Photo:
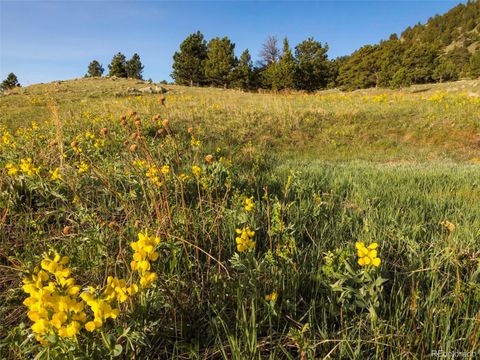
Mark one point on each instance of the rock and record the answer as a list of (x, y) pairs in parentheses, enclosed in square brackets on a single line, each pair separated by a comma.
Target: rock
[(146, 90)]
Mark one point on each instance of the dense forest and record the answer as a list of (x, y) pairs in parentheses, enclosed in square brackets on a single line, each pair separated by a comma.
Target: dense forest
[(446, 48)]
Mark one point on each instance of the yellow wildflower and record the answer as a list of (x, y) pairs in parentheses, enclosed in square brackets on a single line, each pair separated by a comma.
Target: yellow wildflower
[(145, 252), (55, 174), (165, 169), (249, 204), (152, 174), (53, 306), (11, 169), (82, 167), (367, 255), (183, 177), (196, 171), (27, 168), (272, 297), (244, 241)]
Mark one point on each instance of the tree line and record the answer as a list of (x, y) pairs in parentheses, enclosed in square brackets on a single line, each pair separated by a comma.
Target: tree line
[(119, 67), (214, 63), (446, 48)]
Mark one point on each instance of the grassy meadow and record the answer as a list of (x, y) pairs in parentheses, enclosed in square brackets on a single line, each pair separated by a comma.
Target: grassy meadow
[(215, 224)]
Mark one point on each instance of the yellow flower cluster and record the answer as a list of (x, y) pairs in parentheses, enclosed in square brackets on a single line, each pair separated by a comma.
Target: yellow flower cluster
[(82, 167), (195, 142), (52, 303), (145, 252), (153, 173), (140, 163), (7, 139), (196, 171), (367, 255), (12, 169), (55, 174), (103, 305), (27, 168), (249, 204), (183, 177), (272, 297), (244, 241)]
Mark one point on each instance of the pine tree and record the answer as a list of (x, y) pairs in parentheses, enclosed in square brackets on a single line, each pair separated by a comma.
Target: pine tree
[(189, 62), (242, 74), (284, 75), (475, 65), (134, 67), (313, 65), (10, 82), (445, 70), (220, 61), (118, 66), (95, 69), (419, 61)]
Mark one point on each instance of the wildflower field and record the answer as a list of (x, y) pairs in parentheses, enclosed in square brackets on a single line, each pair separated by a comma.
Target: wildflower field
[(212, 224)]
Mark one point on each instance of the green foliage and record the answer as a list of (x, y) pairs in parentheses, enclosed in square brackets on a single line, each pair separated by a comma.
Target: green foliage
[(475, 65), (220, 61), (436, 51), (243, 72), (189, 62), (359, 70), (134, 67), (420, 63), (10, 82), (284, 75), (445, 70), (118, 66), (313, 69), (95, 69)]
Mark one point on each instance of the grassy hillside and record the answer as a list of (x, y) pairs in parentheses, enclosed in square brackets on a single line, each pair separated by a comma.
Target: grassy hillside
[(419, 123), (212, 224)]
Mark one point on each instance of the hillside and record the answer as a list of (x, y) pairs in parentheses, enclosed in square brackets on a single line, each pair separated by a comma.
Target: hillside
[(418, 123), (446, 48)]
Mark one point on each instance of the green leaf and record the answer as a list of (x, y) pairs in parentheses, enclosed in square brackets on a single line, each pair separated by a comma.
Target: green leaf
[(117, 350)]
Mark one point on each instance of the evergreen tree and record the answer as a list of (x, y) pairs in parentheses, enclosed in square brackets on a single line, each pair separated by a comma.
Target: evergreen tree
[(401, 78), (313, 66), (189, 62), (390, 55), (95, 69), (419, 60), (269, 75), (475, 65), (134, 67), (242, 74), (10, 82), (220, 61), (360, 70), (118, 66), (445, 70), (284, 75)]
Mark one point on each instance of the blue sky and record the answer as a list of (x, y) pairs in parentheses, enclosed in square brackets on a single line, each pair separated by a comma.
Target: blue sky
[(42, 41)]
